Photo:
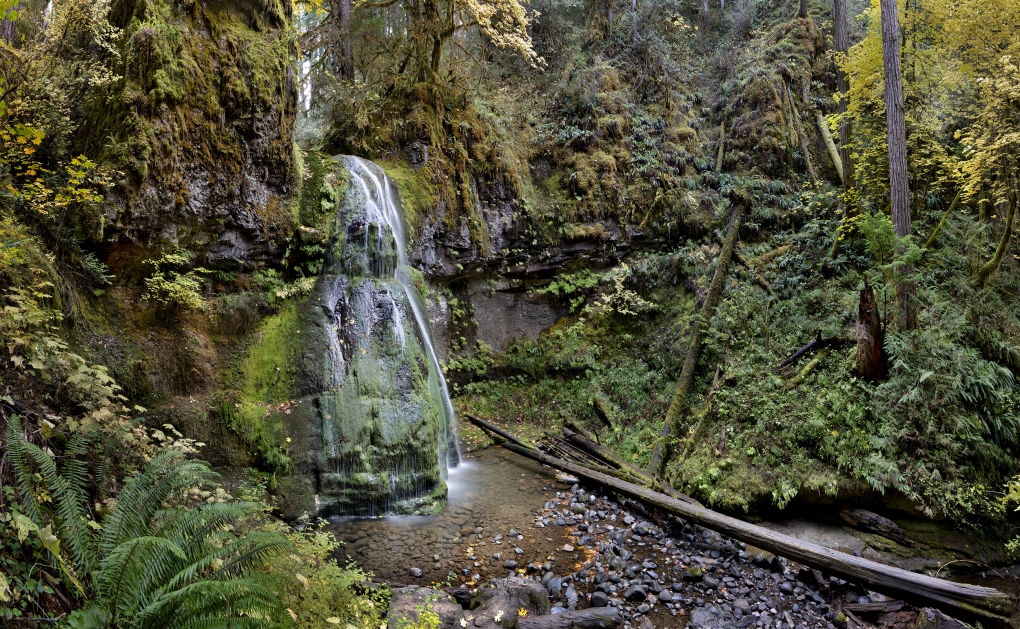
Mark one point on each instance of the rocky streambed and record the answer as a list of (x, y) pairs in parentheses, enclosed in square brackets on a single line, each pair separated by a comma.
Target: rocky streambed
[(513, 524)]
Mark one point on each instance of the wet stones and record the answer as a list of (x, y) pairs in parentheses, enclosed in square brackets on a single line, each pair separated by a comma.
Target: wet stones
[(416, 572), (599, 599)]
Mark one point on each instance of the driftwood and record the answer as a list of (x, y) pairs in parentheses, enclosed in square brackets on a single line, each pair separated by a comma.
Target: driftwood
[(876, 524), (874, 608), (678, 406), (591, 618), (496, 430), (969, 601)]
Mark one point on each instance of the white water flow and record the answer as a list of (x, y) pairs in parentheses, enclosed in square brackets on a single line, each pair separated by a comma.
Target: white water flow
[(382, 207)]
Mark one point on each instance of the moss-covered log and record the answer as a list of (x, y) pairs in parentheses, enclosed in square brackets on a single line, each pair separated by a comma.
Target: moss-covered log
[(678, 407), (989, 268)]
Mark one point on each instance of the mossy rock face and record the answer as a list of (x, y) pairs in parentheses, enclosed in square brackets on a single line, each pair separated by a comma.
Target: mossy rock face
[(203, 125), (371, 407)]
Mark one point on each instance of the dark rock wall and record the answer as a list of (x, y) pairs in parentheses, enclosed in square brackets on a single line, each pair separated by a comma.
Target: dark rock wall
[(205, 132)]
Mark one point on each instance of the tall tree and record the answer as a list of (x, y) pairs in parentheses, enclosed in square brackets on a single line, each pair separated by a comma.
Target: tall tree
[(842, 37), (342, 49), (896, 128)]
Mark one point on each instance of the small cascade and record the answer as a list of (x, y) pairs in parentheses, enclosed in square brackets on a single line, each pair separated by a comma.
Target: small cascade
[(386, 434), (383, 209)]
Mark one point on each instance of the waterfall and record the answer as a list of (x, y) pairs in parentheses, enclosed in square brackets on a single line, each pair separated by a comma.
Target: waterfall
[(382, 208), (384, 431)]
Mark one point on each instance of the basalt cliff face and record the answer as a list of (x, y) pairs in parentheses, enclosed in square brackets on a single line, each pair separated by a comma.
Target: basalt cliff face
[(203, 124)]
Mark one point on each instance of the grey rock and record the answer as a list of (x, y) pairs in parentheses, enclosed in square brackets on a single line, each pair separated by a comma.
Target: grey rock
[(635, 593), (599, 599), (644, 608), (415, 572), (407, 601), (665, 596)]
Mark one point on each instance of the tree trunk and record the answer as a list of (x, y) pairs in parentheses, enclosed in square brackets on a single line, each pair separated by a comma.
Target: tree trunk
[(633, 19), (802, 12), (899, 190), (837, 161), (870, 359), (722, 148), (989, 268), (343, 47), (803, 136), (969, 601), (678, 407), (842, 37)]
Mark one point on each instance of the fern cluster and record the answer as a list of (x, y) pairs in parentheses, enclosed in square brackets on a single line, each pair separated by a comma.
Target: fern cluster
[(152, 562)]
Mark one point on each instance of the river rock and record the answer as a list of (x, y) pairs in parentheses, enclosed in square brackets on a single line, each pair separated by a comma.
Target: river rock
[(416, 572), (599, 599), (406, 603), (635, 593)]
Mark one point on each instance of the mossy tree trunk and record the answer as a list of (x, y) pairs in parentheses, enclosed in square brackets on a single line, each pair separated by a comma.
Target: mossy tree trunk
[(678, 407), (342, 48), (989, 268)]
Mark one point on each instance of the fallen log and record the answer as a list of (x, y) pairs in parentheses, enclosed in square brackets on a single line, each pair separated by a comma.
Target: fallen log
[(591, 618), (969, 601), (600, 452), (874, 608), (817, 343), (499, 433), (799, 379), (494, 429), (876, 524)]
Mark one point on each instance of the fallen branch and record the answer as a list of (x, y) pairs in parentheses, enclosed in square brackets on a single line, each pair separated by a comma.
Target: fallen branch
[(969, 601), (765, 257), (931, 239), (800, 377), (817, 343), (875, 524)]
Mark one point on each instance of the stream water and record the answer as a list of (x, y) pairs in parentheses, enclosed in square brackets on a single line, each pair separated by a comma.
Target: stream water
[(491, 489)]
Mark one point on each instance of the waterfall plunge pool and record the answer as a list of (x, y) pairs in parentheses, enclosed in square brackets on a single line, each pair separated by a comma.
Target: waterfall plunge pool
[(493, 489)]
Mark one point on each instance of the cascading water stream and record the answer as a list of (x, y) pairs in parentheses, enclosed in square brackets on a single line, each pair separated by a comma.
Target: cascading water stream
[(382, 208)]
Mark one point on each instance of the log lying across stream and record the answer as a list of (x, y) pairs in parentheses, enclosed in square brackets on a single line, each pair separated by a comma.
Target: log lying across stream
[(969, 601)]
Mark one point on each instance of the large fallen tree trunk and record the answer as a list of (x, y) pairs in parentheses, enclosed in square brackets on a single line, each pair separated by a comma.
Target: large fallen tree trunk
[(969, 601), (620, 469)]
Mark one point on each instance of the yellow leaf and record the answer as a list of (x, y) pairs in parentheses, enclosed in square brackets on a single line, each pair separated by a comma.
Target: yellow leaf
[(5, 590), (333, 620)]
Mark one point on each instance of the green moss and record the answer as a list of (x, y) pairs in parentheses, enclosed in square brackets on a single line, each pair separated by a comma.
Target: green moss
[(268, 366), (417, 194)]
